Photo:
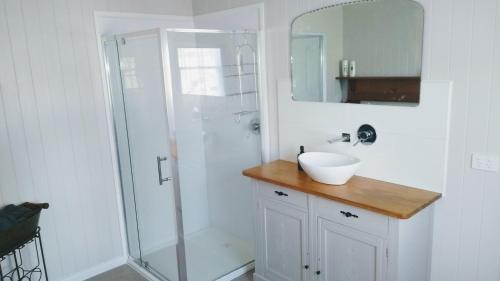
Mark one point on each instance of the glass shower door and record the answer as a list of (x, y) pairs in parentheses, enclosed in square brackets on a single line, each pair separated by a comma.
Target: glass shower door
[(141, 127), (213, 90)]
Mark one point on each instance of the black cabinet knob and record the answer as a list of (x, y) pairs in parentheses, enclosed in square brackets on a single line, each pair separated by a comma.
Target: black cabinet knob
[(280, 193), (306, 266), (348, 214), (318, 272)]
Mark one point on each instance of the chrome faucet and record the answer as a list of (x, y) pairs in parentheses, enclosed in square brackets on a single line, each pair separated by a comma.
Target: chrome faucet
[(344, 138)]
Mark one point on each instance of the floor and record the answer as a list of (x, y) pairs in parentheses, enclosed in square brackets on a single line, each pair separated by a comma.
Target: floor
[(122, 273), (210, 254), (126, 273)]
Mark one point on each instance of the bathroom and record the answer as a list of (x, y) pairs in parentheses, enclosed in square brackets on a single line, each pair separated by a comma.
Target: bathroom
[(165, 136)]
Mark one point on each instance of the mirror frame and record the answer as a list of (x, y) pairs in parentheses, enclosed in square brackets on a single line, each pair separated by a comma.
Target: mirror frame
[(344, 3)]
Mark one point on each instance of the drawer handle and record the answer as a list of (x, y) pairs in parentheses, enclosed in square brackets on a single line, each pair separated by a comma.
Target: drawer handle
[(280, 193), (348, 214)]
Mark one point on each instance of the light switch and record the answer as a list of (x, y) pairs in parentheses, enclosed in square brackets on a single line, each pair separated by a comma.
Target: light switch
[(485, 162)]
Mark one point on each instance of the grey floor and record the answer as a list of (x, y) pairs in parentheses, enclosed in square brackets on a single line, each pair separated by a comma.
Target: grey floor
[(122, 273), (126, 273)]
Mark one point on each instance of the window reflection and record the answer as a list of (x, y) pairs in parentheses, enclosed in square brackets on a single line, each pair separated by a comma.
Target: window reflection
[(201, 71), (129, 76)]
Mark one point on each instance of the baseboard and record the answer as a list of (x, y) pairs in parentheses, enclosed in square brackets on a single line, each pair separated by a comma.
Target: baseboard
[(98, 269), (257, 277)]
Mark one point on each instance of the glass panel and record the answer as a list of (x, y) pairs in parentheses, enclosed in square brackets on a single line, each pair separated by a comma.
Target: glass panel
[(120, 127), (143, 146), (215, 99)]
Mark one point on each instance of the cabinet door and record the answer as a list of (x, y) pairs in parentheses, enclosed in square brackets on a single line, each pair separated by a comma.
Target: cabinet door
[(346, 254), (282, 241)]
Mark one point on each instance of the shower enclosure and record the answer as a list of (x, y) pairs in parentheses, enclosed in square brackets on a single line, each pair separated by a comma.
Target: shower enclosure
[(186, 118)]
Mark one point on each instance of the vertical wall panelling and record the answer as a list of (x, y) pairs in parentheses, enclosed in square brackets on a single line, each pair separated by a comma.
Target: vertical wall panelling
[(6, 167), (78, 150), (12, 109), (54, 137), (489, 261), (447, 220), (39, 113), (7, 162), (473, 193), (461, 44)]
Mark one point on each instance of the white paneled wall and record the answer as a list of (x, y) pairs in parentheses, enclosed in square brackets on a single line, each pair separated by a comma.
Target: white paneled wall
[(54, 139), (461, 44)]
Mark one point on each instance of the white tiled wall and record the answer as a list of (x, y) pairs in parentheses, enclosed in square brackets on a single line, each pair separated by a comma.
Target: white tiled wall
[(409, 149)]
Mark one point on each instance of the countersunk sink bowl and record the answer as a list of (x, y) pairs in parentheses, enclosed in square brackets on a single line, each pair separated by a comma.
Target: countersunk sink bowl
[(329, 168)]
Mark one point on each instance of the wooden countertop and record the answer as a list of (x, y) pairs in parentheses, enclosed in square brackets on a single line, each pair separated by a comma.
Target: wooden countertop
[(381, 197)]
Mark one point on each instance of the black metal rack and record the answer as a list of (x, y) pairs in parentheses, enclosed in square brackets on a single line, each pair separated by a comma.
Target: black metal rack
[(13, 261)]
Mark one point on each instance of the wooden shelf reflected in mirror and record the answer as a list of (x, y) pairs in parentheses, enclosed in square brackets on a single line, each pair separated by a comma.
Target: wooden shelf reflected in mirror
[(405, 89)]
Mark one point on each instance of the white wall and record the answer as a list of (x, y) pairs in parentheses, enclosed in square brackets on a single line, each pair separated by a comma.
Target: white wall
[(111, 23), (246, 18), (208, 6), (461, 44), (54, 142)]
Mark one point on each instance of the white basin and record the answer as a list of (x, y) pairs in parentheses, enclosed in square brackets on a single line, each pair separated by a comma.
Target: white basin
[(329, 168)]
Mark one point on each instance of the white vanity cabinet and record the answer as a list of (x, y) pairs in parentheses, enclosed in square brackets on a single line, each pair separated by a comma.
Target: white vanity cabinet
[(283, 241), (304, 237), (349, 243), (283, 234)]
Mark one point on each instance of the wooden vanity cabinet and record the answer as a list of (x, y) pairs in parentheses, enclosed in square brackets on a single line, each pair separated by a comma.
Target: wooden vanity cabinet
[(304, 237)]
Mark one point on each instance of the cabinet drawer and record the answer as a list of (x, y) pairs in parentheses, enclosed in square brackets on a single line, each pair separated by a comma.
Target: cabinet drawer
[(352, 217), (287, 195)]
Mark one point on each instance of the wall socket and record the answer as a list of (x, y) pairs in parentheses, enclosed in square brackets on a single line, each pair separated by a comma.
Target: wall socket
[(485, 162)]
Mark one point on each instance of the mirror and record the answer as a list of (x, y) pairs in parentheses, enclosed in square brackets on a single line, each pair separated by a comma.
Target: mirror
[(358, 52)]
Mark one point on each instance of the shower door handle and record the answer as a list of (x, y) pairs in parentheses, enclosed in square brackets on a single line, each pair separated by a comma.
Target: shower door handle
[(161, 180)]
